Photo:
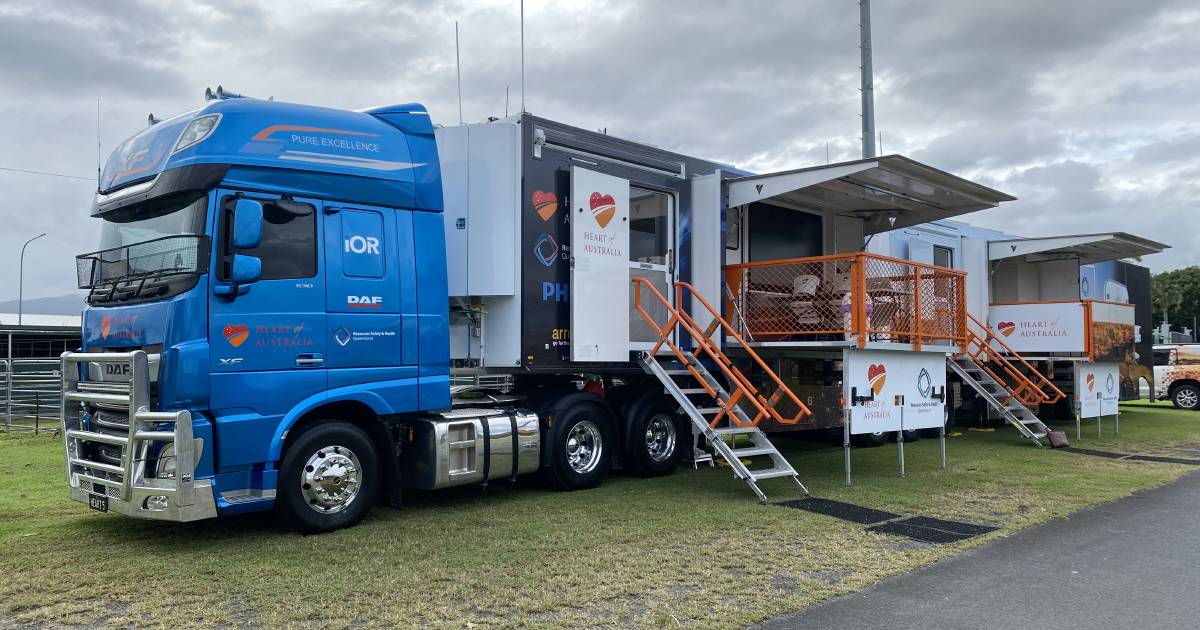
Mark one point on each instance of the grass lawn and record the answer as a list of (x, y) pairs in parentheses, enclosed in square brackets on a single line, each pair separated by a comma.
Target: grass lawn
[(694, 548)]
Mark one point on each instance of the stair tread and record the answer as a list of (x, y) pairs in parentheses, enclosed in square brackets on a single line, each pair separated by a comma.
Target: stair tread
[(693, 390), (771, 473), (708, 410), (735, 430), (752, 451)]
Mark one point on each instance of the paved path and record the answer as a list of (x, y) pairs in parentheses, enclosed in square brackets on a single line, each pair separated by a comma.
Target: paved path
[(1134, 563)]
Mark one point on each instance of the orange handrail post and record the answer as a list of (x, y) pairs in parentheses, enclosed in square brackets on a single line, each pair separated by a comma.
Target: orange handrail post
[(918, 312)]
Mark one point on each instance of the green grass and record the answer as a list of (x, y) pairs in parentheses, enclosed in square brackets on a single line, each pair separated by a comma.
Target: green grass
[(694, 548)]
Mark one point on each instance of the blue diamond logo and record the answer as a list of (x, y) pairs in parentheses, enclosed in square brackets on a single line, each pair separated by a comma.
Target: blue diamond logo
[(342, 336)]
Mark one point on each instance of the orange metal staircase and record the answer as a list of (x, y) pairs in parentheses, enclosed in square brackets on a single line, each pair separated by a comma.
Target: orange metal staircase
[(723, 395), (1009, 383)]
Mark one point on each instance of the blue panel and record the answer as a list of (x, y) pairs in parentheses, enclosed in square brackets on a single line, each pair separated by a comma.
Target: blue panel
[(362, 243), (248, 407), (407, 269), (433, 330), (363, 340)]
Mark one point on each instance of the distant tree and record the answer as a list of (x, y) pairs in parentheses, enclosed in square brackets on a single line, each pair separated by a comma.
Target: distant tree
[(1176, 296)]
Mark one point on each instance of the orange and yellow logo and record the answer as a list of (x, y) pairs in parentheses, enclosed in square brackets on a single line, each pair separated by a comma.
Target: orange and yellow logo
[(236, 334), (1006, 328), (546, 204), (877, 376), (1091, 382), (105, 326), (604, 207)]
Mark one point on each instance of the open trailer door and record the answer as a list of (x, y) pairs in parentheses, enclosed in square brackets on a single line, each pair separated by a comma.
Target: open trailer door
[(600, 308)]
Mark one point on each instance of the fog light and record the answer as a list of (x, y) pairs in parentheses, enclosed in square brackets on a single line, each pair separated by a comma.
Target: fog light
[(156, 503)]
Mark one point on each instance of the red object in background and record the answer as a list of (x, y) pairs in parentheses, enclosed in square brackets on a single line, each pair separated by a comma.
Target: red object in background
[(594, 387)]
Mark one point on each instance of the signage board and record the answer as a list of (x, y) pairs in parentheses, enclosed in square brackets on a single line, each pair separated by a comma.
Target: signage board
[(1037, 328), (904, 388), (599, 266), (1097, 389)]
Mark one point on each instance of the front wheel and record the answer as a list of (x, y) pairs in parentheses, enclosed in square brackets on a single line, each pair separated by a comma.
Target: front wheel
[(1186, 396), (328, 479), (580, 447)]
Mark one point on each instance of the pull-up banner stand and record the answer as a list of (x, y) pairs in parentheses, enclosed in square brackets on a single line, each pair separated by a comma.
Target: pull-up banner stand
[(888, 391), (1097, 394)]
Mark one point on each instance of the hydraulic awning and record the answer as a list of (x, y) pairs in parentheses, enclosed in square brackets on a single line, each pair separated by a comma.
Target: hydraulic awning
[(888, 192), (1088, 248)]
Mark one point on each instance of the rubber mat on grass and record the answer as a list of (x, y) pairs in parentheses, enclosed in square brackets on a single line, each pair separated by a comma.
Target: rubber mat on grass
[(837, 509)]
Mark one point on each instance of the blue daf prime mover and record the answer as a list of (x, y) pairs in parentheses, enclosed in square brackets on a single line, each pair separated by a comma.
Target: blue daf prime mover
[(270, 318)]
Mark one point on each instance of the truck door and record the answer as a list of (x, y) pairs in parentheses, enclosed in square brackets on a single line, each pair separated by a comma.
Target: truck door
[(600, 309), (368, 294), (266, 347)]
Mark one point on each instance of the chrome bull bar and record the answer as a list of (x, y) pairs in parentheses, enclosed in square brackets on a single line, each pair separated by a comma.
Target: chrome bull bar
[(128, 488)]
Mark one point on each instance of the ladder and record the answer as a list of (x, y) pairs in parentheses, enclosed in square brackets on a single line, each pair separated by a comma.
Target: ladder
[(1009, 383), (705, 398)]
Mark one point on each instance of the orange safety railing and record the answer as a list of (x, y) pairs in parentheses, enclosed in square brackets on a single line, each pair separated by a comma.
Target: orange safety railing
[(856, 297), (741, 388), (1002, 367)]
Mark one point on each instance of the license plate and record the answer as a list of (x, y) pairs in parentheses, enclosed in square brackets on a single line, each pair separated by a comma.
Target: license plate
[(98, 502)]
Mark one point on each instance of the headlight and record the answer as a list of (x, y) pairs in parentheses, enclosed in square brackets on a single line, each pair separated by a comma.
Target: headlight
[(167, 463), (197, 130)]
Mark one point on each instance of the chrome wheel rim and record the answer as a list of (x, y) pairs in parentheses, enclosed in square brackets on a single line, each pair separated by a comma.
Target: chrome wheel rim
[(331, 479), (1186, 398), (584, 447), (660, 437)]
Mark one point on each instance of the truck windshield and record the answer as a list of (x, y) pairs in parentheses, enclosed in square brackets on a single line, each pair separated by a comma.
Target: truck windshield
[(146, 222), (148, 251)]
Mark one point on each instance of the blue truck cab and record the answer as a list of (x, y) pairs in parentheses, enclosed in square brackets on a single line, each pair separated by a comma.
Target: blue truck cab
[(263, 266)]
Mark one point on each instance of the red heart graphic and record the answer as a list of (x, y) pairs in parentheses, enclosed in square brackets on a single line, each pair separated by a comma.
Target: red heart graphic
[(1091, 382), (236, 334), (1006, 328), (877, 375), (545, 203), (105, 326), (603, 208)]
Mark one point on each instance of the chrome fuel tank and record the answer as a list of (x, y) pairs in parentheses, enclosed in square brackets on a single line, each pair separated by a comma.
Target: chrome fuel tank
[(471, 445)]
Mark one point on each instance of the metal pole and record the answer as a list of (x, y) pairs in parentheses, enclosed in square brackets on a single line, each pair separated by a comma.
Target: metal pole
[(868, 90), (900, 439), (1078, 421), (522, 56), (846, 441), (458, 65), (942, 445), (21, 284)]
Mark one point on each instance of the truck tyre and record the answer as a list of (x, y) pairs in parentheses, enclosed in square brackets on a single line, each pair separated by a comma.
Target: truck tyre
[(656, 439), (328, 479), (1186, 396), (581, 445)]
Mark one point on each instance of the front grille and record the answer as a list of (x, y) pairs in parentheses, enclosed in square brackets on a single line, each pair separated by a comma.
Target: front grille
[(110, 491), (103, 419)]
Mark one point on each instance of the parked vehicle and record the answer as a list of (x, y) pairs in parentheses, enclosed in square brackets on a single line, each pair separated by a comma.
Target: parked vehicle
[(1177, 375)]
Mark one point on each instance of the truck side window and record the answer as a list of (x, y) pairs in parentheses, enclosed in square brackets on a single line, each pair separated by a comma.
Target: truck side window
[(289, 240), (1162, 356)]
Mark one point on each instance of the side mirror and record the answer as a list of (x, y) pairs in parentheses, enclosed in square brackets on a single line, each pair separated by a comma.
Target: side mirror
[(246, 269), (247, 224)]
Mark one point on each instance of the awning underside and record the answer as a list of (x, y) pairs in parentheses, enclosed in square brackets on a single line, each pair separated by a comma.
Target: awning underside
[(888, 192), (1088, 248)]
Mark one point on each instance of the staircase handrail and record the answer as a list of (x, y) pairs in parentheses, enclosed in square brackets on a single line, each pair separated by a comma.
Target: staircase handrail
[(1006, 361), (742, 385)]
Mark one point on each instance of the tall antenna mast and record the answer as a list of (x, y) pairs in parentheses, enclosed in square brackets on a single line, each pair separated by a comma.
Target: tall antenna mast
[(99, 159), (868, 90), (522, 56), (458, 64)]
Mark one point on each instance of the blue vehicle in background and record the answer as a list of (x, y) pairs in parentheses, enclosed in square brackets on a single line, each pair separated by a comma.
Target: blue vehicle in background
[(269, 327)]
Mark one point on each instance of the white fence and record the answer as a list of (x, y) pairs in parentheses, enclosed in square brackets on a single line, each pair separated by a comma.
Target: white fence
[(31, 389)]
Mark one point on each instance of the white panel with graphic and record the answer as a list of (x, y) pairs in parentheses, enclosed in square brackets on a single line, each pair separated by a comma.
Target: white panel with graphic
[(1039, 327), (901, 382), (1097, 388), (599, 267)]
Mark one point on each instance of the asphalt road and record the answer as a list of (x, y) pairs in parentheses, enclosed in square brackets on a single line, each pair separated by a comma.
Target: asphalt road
[(1133, 563)]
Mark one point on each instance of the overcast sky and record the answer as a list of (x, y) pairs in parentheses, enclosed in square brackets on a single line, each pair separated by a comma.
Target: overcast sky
[(1086, 111)]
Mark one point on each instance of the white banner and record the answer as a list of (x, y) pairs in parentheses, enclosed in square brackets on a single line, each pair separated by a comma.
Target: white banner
[(905, 387), (599, 266), (1097, 389), (1038, 328)]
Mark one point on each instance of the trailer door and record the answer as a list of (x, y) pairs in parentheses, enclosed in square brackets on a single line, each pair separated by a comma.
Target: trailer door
[(651, 256), (600, 308)]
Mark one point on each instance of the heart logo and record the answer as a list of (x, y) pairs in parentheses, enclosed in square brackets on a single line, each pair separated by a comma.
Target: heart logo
[(105, 326), (545, 203), (1006, 328), (1091, 382), (236, 334), (877, 375), (603, 208)]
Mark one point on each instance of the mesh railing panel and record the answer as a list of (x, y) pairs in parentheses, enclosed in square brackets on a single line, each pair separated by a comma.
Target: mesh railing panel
[(170, 255), (844, 297)]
